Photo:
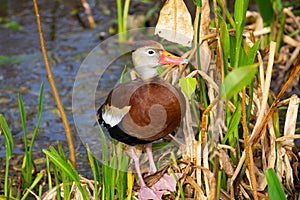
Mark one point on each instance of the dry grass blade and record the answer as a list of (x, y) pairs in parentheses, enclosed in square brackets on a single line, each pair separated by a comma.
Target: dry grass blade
[(248, 148), (256, 136), (54, 89), (265, 89)]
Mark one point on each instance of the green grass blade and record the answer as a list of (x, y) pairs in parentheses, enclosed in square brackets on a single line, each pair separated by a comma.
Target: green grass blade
[(67, 168), (274, 186), (123, 74), (123, 161), (225, 41), (23, 120), (125, 15), (9, 145), (61, 163), (240, 9), (104, 147), (39, 118), (251, 58), (56, 179), (178, 184), (48, 173), (113, 170), (235, 119), (27, 161), (66, 180), (280, 32), (94, 171), (227, 13), (35, 182), (120, 21), (232, 134)]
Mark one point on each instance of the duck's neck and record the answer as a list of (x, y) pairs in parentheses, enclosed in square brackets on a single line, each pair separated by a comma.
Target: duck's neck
[(146, 72)]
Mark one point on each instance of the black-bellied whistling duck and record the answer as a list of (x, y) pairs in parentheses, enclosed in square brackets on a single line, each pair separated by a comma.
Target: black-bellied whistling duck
[(147, 108)]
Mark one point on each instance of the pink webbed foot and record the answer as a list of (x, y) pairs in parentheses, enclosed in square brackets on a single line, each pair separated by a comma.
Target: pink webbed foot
[(166, 183), (146, 193)]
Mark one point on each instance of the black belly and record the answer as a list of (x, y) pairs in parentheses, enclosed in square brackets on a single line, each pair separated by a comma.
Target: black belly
[(118, 134)]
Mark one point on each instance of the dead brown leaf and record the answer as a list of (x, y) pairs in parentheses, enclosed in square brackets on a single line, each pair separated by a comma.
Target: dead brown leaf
[(175, 23), (225, 163)]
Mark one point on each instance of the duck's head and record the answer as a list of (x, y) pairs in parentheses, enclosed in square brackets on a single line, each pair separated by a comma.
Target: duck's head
[(149, 55)]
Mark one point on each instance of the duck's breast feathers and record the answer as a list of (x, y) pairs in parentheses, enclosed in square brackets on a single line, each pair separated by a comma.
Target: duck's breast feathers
[(156, 110), (146, 110)]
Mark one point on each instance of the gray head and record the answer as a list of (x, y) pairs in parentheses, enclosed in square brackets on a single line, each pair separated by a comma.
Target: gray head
[(149, 55)]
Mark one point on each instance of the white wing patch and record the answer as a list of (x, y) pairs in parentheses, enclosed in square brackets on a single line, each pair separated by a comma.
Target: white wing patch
[(112, 115)]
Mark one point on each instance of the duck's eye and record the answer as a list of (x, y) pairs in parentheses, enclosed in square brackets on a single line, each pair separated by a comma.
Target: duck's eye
[(150, 52)]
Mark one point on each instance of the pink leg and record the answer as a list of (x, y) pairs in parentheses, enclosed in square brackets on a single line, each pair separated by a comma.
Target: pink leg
[(150, 156), (137, 167)]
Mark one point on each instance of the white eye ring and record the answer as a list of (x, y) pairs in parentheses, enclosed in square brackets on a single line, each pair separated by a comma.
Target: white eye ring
[(150, 52)]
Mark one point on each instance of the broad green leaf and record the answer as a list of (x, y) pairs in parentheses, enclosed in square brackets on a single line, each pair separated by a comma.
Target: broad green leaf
[(188, 86), (236, 80), (274, 186)]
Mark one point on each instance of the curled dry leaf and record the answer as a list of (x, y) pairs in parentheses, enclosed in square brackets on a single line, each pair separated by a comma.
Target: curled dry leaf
[(225, 162), (175, 23), (261, 180)]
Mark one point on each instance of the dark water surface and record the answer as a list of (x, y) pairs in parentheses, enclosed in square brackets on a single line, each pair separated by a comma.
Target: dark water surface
[(68, 42)]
